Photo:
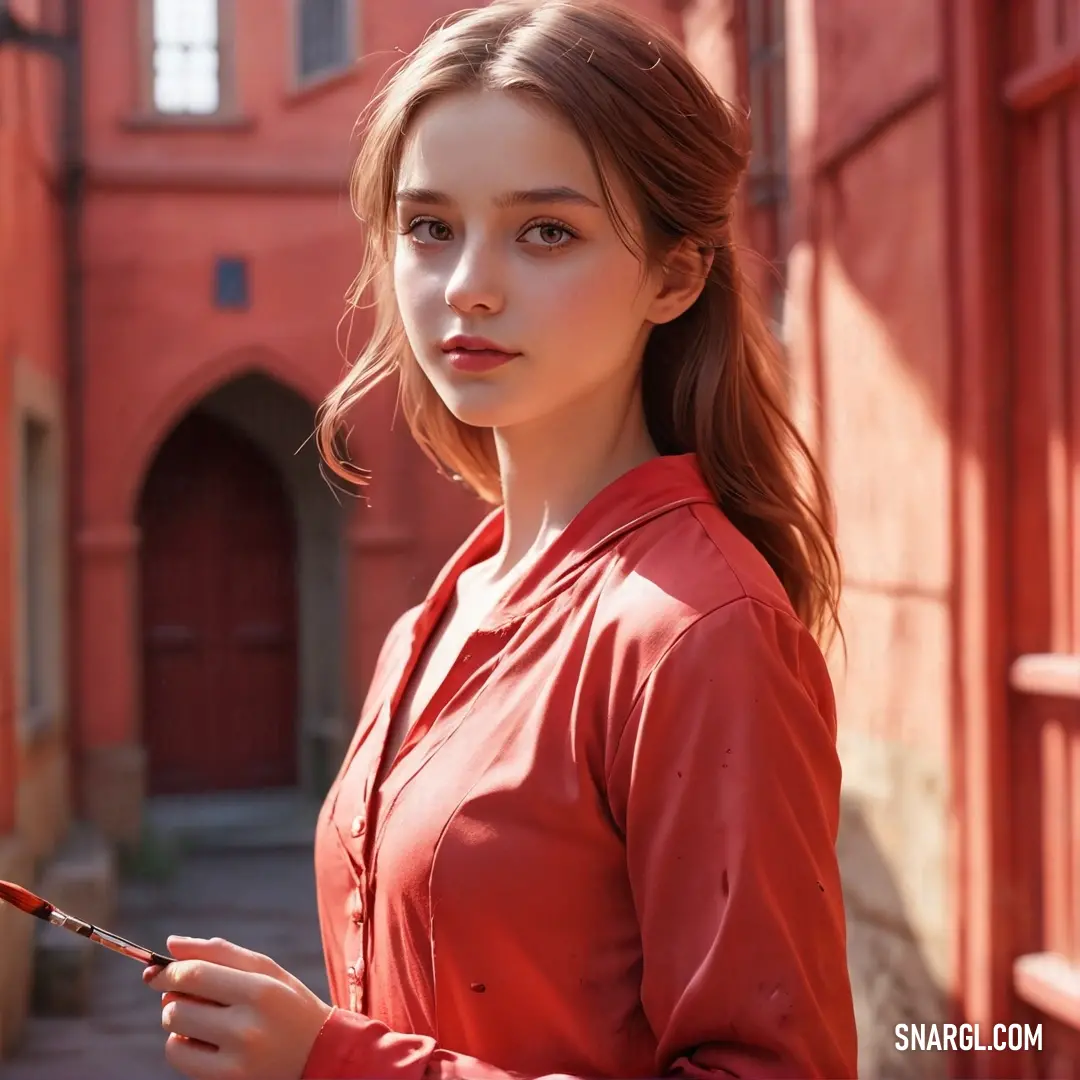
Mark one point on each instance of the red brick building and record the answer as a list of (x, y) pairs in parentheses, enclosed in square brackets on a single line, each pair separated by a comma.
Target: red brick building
[(920, 185), (36, 218), (175, 250)]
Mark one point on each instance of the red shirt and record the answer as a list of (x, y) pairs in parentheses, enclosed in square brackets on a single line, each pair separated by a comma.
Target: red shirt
[(607, 847)]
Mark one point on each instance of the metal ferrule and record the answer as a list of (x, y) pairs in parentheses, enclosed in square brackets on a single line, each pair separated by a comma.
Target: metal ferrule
[(58, 918)]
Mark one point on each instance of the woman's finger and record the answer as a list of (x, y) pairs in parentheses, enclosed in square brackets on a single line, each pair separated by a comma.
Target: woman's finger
[(196, 1060), (212, 982), (225, 953), (195, 1020), (172, 995)]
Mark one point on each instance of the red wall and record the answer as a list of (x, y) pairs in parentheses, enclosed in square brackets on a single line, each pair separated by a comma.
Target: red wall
[(268, 181), (870, 343), (31, 327)]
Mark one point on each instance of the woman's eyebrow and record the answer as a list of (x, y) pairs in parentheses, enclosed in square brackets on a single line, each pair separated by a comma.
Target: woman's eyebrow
[(530, 197)]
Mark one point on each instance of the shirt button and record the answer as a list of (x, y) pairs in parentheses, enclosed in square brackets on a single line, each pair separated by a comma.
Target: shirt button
[(357, 829), (358, 909)]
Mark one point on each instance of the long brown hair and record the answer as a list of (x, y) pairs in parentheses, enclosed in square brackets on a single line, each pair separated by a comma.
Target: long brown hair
[(710, 378)]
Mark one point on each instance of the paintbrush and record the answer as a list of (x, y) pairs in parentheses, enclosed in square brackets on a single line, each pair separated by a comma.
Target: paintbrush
[(26, 901)]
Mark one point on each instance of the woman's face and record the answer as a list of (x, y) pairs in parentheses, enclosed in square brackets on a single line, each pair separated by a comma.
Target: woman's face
[(505, 243)]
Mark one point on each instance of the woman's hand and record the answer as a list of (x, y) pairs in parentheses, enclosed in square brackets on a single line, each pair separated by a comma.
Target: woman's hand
[(233, 1014)]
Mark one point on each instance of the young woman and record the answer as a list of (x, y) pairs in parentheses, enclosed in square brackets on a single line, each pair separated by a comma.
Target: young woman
[(587, 824)]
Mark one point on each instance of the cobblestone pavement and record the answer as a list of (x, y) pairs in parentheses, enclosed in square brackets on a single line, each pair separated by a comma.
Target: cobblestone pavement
[(264, 900)]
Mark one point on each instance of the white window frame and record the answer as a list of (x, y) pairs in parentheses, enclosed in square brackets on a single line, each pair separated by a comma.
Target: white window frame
[(227, 103)]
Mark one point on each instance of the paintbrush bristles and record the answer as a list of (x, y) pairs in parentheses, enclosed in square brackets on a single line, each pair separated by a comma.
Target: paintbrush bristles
[(25, 900)]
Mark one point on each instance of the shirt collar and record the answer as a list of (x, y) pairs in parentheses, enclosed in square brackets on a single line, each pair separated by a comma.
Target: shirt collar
[(656, 487)]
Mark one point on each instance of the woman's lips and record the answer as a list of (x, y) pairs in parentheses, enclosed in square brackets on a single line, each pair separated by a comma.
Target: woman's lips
[(477, 360)]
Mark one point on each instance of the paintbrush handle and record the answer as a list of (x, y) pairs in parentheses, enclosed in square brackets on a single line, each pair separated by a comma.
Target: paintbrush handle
[(127, 948), (109, 941)]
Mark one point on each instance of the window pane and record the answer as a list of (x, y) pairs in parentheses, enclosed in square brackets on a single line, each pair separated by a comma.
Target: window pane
[(202, 80), (189, 22), (201, 21), (323, 29), (186, 79), (169, 79), (231, 282), (168, 20)]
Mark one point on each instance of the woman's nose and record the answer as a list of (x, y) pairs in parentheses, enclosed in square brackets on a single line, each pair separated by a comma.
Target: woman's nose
[(477, 283)]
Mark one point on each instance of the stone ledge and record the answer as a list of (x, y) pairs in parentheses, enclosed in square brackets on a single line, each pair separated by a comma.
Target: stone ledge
[(63, 972), (81, 880)]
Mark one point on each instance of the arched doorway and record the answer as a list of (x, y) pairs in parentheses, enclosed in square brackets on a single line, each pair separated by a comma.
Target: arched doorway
[(219, 615)]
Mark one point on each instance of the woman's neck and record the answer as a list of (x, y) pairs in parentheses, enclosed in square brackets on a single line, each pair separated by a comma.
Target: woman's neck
[(552, 468)]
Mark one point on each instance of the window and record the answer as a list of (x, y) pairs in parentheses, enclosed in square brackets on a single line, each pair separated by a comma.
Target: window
[(323, 37), (768, 174), (230, 282), (38, 555), (186, 57), (36, 545)]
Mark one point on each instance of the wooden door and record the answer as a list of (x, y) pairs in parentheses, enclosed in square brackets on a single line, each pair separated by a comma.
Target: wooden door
[(218, 615), (1041, 59)]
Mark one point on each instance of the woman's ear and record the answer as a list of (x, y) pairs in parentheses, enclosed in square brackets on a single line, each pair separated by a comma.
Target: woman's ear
[(684, 273)]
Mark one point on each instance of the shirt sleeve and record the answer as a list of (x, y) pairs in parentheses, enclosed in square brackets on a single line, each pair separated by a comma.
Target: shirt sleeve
[(727, 786), (725, 783)]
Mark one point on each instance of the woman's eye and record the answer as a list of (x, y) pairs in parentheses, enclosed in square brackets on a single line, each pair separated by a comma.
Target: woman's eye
[(424, 229), (549, 234)]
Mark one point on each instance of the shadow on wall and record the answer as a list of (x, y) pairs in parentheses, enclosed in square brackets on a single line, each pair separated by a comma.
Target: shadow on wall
[(877, 309), (892, 981)]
